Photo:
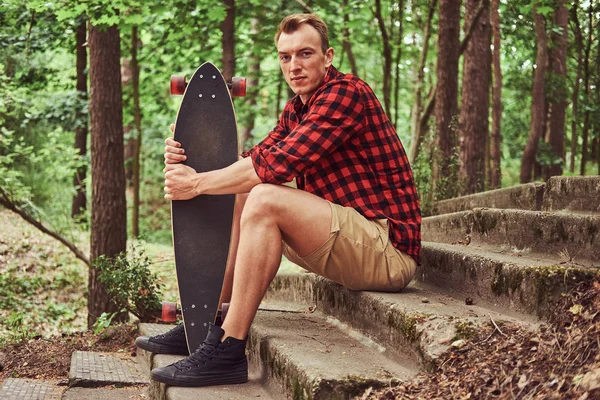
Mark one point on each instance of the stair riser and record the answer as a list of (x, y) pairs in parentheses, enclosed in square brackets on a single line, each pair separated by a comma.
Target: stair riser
[(575, 193), (575, 237), (399, 332), (531, 290), (294, 381), (523, 197)]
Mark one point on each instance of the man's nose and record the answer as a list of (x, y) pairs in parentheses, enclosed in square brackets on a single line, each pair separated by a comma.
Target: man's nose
[(294, 63)]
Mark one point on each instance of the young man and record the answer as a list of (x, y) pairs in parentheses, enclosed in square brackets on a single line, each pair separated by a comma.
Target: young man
[(354, 218)]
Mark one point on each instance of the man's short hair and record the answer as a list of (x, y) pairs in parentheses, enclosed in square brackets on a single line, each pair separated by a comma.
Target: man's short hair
[(291, 23)]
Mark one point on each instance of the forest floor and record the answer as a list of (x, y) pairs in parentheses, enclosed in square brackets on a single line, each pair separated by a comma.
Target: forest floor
[(42, 309)]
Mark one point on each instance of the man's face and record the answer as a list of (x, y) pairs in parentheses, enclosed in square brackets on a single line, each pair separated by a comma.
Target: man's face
[(302, 61)]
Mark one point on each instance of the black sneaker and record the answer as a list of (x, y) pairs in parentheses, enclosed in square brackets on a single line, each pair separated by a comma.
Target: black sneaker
[(214, 363), (172, 342)]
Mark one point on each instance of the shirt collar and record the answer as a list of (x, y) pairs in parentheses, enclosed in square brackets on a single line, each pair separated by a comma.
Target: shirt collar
[(331, 74)]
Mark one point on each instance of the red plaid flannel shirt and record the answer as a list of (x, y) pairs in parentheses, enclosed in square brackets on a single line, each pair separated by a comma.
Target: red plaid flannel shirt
[(341, 146)]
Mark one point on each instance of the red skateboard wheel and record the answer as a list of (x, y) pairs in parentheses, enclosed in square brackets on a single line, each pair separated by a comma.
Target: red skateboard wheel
[(169, 311), (178, 84), (238, 87)]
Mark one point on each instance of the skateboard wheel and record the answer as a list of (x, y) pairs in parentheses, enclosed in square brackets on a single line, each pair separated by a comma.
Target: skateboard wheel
[(178, 84), (238, 87), (169, 311)]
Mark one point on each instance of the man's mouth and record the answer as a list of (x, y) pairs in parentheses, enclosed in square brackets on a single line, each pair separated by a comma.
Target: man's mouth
[(297, 78)]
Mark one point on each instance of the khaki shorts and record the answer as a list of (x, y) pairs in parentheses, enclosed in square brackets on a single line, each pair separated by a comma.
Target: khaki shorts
[(358, 254)]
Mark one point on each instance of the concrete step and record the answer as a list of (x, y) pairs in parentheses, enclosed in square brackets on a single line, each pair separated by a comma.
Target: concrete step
[(572, 193), (312, 359), (414, 326), (107, 393), (524, 197), (92, 369), (566, 193), (31, 389), (575, 236), (527, 283), (299, 355), (257, 387)]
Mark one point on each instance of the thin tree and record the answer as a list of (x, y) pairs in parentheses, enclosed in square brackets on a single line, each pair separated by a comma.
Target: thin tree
[(558, 65), (137, 141), (447, 86), (538, 110), (78, 205), (253, 81), (228, 40), (496, 137), (473, 125), (346, 41), (416, 110), (387, 56), (587, 91), (399, 37), (575, 95), (108, 230)]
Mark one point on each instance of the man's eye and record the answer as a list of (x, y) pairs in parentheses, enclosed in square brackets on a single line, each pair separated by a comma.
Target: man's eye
[(306, 54), (284, 58)]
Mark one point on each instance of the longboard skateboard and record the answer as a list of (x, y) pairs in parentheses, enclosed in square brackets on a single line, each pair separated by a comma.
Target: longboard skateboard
[(207, 130)]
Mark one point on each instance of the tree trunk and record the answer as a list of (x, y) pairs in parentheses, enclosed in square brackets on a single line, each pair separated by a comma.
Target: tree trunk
[(137, 121), (559, 99), (473, 125), (417, 134), (228, 41), (108, 230), (253, 80), (538, 115), (78, 205), (397, 60), (495, 151), (575, 97), (586, 88), (447, 87), (387, 57), (347, 43), (597, 119)]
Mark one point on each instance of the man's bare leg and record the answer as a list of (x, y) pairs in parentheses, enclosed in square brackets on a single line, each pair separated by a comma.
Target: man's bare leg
[(240, 200), (271, 214)]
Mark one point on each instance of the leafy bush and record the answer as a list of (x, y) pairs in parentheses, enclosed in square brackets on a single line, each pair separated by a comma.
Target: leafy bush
[(130, 283)]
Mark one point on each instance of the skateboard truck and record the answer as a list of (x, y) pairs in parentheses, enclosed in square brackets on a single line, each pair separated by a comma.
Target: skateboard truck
[(237, 86)]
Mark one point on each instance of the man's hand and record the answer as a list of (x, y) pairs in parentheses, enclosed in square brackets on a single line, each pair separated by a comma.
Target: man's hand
[(181, 182), (173, 151)]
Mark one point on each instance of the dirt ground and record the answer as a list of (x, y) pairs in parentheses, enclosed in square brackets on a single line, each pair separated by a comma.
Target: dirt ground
[(50, 358), (559, 362)]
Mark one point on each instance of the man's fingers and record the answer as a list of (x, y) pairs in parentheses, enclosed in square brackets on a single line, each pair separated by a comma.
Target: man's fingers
[(174, 150), (172, 126), (172, 142)]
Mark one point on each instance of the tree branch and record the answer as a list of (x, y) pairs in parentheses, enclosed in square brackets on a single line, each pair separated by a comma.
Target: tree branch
[(305, 6), (8, 202)]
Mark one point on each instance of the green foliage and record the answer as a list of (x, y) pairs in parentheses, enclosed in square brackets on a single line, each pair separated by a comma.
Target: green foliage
[(130, 283), (104, 321)]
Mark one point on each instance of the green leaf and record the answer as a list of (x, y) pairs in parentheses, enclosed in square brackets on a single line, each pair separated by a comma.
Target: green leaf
[(217, 13)]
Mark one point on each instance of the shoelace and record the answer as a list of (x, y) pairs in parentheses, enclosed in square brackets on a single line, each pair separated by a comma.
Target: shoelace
[(177, 331), (199, 356)]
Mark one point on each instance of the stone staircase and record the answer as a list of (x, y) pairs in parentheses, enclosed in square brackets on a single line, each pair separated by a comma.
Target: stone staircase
[(499, 256)]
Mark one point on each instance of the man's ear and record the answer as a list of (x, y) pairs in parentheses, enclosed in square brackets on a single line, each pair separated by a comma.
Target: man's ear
[(329, 57)]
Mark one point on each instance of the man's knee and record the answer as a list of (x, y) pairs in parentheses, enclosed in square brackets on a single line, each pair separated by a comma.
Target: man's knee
[(261, 202)]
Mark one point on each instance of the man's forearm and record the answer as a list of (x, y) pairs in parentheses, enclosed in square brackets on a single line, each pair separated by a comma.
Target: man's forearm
[(239, 177)]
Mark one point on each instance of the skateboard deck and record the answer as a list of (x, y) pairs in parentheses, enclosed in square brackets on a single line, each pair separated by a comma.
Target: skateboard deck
[(207, 130)]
